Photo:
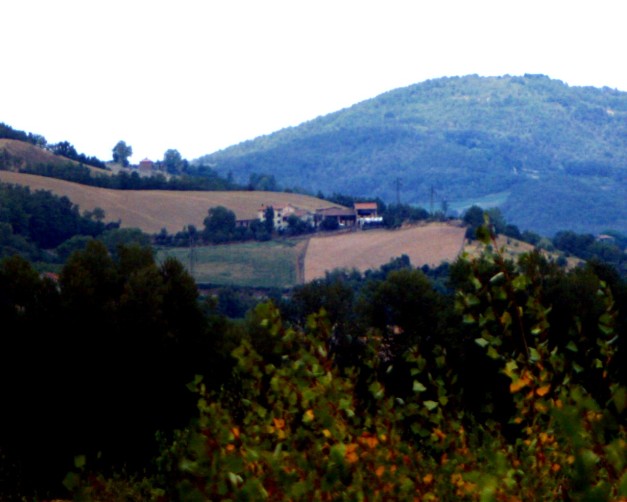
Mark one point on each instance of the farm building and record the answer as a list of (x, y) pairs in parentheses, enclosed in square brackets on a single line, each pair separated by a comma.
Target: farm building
[(146, 166), (362, 214), (367, 214), (345, 217), (282, 213), (366, 209)]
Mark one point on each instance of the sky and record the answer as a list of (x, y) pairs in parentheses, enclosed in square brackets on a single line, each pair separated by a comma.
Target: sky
[(201, 75)]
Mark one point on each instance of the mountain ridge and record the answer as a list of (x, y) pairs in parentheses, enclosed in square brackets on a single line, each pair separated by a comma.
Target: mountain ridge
[(530, 138)]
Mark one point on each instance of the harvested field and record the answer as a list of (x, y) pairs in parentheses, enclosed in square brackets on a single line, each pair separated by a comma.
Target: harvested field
[(152, 210), (428, 244)]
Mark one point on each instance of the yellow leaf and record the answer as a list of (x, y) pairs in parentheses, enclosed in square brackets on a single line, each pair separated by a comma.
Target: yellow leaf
[(520, 383), (542, 391), (517, 385), (379, 471), (368, 440), (439, 434), (351, 453), (352, 457)]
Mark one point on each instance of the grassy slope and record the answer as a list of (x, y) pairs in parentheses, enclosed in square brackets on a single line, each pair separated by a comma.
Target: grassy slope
[(152, 210), (270, 264), (278, 263)]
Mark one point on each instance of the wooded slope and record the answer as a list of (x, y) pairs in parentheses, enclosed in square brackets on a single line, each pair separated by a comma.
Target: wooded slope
[(553, 157)]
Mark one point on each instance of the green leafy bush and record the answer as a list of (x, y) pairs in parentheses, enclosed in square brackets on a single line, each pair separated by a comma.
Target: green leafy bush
[(292, 425)]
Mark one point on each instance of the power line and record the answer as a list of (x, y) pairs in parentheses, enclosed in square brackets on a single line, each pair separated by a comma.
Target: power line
[(398, 191)]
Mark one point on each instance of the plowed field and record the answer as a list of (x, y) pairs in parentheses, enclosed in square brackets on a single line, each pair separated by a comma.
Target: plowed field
[(428, 244)]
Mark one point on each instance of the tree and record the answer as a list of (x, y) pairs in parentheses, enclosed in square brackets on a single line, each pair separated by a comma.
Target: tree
[(473, 217), (404, 301), (117, 237), (219, 224), (98, 214), (65, 149), (296, 226), (121, 153), (268, 219), (173, 161), (262, 182), (329, 223)]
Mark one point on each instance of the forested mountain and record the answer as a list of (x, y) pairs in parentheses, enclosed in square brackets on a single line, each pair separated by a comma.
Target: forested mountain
[(552, 156)]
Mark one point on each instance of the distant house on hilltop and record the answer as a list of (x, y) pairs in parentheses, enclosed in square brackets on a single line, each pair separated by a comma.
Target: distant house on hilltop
[(146, 166)]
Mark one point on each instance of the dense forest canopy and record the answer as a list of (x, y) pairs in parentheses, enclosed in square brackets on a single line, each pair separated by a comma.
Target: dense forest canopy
[(534, 146), (354, 384)]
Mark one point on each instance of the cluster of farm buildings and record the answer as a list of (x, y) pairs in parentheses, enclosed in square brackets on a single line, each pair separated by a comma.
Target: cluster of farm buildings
[(362, 214)]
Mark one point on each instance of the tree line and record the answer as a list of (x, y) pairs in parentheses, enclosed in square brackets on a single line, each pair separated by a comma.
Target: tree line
[(62, 148), (316, 376)]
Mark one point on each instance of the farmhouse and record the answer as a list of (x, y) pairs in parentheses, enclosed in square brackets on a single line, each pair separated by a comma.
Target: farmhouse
[(362, 214), (366, 209), (367, 214), (345, 217), (282, 213)]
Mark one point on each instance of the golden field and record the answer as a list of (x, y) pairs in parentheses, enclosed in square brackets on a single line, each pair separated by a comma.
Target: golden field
[(429, 244), (152, 210)]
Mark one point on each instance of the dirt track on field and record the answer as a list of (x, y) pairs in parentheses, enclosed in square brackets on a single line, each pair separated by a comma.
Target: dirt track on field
[(428, 244)]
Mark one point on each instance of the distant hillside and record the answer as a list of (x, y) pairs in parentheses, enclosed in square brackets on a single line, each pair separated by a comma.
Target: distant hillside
[(553, 157), (17, 155), (152, 210)]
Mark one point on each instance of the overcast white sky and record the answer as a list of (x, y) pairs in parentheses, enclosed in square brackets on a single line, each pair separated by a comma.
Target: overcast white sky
[(199, 76)]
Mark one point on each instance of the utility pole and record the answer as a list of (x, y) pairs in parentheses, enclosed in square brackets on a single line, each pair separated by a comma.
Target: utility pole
[(398, 191), (431, 206), (192, 255)]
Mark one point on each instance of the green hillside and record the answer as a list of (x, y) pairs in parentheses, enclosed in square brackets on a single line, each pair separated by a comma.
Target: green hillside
[(552, 156)]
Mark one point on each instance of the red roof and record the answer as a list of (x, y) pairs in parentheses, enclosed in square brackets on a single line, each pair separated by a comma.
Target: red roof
[(366, 205)]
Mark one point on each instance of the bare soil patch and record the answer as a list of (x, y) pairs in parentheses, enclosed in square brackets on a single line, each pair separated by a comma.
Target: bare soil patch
[(362, 250)]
